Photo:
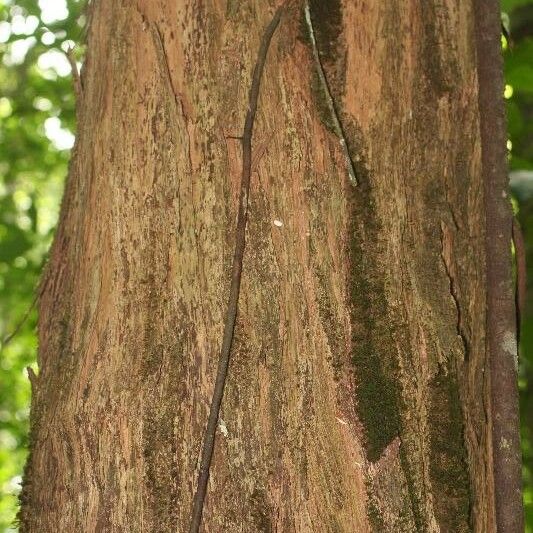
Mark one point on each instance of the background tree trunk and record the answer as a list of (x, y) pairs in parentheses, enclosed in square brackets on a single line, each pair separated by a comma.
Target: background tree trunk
[(357, 397)]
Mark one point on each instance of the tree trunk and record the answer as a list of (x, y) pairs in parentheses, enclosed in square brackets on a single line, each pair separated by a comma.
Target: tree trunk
[(358, 390)]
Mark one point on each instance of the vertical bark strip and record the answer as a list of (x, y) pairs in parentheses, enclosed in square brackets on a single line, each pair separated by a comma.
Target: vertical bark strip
[(233, 300), (501, 306)]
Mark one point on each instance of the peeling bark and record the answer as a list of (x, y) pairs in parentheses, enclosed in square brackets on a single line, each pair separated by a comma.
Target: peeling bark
[(357, 395)]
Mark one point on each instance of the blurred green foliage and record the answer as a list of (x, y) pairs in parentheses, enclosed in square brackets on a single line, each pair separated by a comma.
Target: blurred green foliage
[(518, 54), (36, 123)]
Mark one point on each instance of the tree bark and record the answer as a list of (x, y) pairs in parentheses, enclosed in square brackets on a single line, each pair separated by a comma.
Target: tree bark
[(502, 306), (358, 390)]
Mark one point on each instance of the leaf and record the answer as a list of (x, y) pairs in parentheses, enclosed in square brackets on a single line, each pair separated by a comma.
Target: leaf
[(510, 5)]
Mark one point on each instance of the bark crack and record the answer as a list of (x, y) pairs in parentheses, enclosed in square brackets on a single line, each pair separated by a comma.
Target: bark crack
[(165, 68), (162, 57), (449, 269)]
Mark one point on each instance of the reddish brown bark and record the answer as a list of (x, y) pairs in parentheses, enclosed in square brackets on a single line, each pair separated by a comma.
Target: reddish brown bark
[(357, 397)]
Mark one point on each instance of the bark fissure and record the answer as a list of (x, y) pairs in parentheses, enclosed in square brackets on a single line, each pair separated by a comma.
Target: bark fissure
[(162, 58), (446, 255)]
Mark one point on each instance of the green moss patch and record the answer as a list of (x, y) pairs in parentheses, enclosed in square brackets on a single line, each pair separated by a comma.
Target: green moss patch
[(326, 16), (448, 459), (373, 355)]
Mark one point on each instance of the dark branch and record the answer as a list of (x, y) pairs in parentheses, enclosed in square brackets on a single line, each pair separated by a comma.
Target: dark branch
[(501, 312), (231, 313)]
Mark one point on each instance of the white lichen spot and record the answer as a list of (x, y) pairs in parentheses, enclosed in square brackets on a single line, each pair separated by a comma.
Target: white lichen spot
[(223, 428), (504, 444), (278, 223), (510, 346)]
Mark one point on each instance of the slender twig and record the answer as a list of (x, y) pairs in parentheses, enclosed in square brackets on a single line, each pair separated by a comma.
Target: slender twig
[(78, 87), (337, 126), (501, 310), (38, 291), (8, 338), (231, 313)]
